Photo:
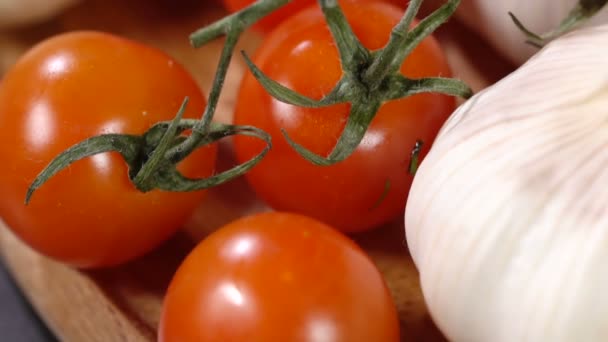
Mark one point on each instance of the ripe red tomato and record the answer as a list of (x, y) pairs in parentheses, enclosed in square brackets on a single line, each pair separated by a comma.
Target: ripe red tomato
[(274, 19), (351, 195), (72, 87), (278, 277)]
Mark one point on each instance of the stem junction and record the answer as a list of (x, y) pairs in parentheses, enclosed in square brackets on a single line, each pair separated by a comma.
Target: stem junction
[(369, 78)]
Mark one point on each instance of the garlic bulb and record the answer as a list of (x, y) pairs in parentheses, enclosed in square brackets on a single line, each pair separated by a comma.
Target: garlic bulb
[(507, 218), (22, 12), (490, 19)]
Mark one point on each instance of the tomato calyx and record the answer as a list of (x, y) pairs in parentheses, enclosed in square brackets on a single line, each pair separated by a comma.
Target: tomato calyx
[(152, 157), (582, 11), (370, 78)]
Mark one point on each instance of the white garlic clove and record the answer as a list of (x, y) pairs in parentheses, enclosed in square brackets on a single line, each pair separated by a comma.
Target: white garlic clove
[(507, 218)]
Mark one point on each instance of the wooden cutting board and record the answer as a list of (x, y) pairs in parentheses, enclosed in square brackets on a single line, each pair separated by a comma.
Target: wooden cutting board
[(123, 303)]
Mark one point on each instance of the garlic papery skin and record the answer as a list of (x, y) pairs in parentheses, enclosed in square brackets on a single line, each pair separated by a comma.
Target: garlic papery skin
[(507, 217)]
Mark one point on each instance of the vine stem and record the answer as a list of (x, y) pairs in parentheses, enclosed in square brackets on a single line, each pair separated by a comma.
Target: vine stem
[(238, 21), (152, 157), (232, 27), (380, 66), (369, 80), (582, 11), (351, 51)]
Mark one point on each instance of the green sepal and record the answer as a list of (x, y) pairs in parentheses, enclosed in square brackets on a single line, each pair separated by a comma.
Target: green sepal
[(173, 180), (129, 147), (157, 157), (360, 116), (400, 87), (286, 95), (352, 53), (388, 61), (237, 21)]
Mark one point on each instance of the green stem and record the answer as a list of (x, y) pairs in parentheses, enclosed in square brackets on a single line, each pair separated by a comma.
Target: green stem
[(402, 43), (238, 21), (400, 87), (152, 157), (200, 129), (352, 53), (359, 119), (127, 145), (173, 180), (286, 95), (532, 38), (381, 64), (583, 11), (232, 27)]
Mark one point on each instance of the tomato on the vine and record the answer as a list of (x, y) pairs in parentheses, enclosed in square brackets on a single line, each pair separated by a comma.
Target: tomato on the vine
[(370, 187), (64, 90), (278, 277)]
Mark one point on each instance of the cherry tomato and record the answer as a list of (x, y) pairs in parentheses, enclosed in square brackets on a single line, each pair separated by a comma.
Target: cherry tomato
[(278, 277), (275, 18), (370, 187), (66, 89)]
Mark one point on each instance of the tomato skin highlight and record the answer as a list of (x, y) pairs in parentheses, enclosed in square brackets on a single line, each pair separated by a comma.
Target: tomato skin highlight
[(278, 277), (351, 195), (72, 87)]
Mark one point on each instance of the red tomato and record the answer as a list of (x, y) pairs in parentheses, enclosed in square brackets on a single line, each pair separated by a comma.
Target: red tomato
[(278, 277), (72, 87), (274, 19), (351, 195)]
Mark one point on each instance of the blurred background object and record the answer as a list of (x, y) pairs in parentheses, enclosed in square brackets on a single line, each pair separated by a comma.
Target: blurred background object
[(14, 13), (490, 18)]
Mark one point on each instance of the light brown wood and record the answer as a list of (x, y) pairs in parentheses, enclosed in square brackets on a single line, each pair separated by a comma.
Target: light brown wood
[(124, 303)]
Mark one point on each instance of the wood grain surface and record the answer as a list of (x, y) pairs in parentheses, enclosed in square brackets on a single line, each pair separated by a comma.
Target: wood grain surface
[(123, 303)]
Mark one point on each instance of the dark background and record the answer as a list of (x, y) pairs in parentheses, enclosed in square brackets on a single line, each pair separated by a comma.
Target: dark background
[(18, 321)]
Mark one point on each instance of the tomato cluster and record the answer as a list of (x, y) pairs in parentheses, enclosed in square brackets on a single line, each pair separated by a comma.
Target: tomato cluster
[(285, 275)]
